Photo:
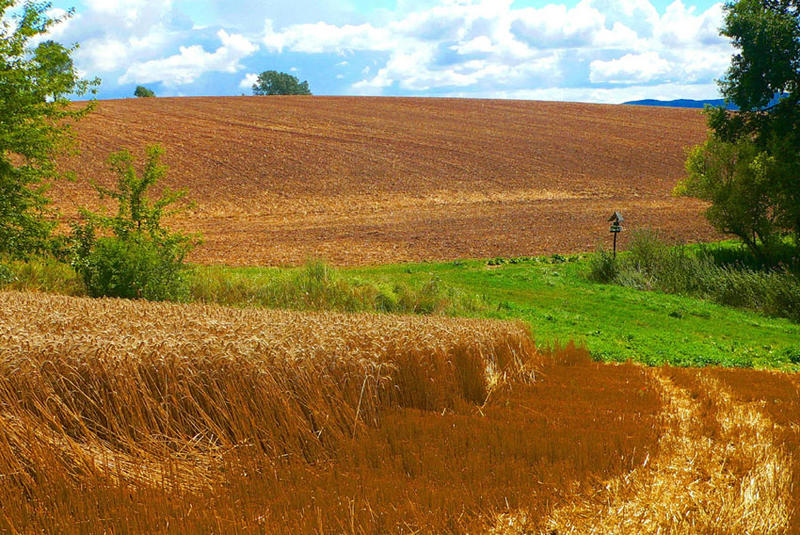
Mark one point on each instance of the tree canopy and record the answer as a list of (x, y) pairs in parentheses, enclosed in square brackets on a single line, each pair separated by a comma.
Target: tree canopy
[(34, 121), (279, 83), (142, 92), (749, 168)]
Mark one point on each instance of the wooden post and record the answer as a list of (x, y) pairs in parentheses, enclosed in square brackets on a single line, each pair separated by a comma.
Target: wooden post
[(616, 228)]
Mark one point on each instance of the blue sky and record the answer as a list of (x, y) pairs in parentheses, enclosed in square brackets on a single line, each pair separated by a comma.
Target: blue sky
[(578, 50)]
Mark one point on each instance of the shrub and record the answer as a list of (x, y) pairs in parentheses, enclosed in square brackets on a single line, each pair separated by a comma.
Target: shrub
[(134, 268), (6, 275), (603, 267), (140, 258)]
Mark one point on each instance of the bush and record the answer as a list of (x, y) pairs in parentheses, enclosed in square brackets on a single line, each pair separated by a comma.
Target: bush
[(603, 267), (140, 259), (6, 275), (134, 269)]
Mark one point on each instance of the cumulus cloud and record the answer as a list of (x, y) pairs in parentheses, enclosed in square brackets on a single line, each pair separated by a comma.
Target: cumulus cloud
[(323, 37), (248, 81), (114, 33), (630, 68), (436, 47), (463, 43), (191, 62)]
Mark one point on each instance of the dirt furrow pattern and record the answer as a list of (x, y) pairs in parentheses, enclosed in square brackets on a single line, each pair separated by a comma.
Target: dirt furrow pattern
[(372, 180)]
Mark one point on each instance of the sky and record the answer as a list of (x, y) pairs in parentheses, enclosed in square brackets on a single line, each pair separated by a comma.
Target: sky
[(588, 50)]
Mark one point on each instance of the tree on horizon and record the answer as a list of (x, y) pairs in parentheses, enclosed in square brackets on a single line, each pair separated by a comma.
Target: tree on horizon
[(279, 83)]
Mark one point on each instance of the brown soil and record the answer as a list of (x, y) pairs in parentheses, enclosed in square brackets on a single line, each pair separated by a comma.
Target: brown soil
[(371, 180)]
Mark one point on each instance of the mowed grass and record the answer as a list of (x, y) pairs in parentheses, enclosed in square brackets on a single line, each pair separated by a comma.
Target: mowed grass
[(554, 297)]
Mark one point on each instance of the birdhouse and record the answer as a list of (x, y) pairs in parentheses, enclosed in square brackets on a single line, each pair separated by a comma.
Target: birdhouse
[(616, 220)]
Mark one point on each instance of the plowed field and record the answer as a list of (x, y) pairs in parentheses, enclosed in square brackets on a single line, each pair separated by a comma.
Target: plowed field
[(371, 180)]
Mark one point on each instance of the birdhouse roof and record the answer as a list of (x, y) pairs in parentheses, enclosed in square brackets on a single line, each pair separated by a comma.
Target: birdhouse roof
[(616, 216)]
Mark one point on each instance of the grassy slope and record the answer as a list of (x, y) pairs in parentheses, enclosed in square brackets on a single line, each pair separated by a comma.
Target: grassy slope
[(615, 323)]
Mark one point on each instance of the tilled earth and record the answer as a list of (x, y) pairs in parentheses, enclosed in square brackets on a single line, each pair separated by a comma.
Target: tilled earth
[(358, 180)]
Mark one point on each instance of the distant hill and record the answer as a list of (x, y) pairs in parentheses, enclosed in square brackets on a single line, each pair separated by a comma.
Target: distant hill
[(681, 103)]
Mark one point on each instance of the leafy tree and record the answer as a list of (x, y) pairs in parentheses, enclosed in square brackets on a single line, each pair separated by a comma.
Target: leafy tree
[(137, 257), (143, 92), (279, 83), (34, 122), (749, 168)]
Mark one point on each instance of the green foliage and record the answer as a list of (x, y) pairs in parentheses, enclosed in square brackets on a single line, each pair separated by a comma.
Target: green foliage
[(143, 92), (134, 268), (279, 83), (141, 258), (317, 286), (6, 275), (766, 35), (603, 267), (738, 180), (651, 264), (34, 119), (750, 166)]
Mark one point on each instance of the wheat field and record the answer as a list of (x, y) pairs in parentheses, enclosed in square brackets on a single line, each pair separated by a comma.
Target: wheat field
[(134, 417)]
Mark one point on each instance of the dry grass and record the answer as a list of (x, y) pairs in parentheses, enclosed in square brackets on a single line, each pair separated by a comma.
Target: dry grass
[(129, 417), (776, 396), (133, 417), (375, 180), (720, 469)]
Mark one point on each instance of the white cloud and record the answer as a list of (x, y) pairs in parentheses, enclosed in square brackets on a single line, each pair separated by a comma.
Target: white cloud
[(474, 47), (630, 68), (615, 95), (191, 62), (555, 26), (114, 33), (248, 81), (324, 37), (478, 43)]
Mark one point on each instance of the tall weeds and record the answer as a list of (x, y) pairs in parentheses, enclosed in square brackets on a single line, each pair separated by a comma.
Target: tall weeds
[(709, 272), (317, 286)]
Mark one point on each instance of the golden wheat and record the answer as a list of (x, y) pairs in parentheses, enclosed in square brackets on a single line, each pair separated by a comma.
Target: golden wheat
[(134, 417)]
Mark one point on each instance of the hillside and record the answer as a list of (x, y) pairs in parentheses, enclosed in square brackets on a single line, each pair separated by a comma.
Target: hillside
[(371, 180)]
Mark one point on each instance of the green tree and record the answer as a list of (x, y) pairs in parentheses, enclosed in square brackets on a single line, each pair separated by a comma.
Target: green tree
[(142, 92), (34, 122), (137, 257), (279, 83), (749, 168)]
